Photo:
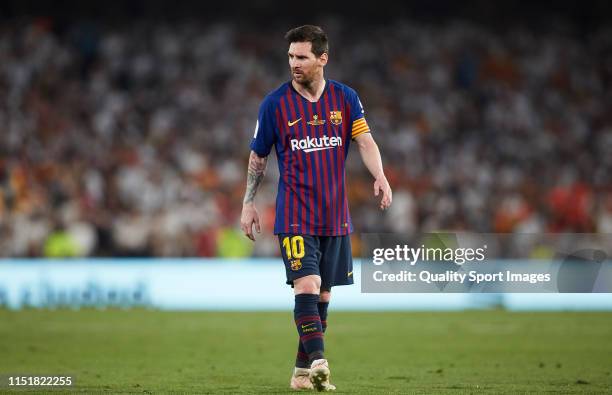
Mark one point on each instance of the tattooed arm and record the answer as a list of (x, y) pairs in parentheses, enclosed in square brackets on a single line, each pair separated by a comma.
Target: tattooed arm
[(255, 174)]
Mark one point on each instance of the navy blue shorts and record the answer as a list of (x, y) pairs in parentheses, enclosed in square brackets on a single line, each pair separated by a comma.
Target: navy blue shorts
[(326, 256)]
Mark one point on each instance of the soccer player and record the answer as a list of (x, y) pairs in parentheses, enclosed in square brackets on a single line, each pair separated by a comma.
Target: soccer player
[(310, 122)]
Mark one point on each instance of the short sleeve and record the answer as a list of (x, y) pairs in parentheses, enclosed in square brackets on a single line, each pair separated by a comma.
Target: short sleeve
[(265, 135), (358, 121)]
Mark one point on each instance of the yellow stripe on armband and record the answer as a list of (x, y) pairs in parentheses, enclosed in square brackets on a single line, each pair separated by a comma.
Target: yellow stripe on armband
[(360, 126)]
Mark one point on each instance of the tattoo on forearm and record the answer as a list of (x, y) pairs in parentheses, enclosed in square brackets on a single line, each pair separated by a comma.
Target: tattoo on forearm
[(255, 174)]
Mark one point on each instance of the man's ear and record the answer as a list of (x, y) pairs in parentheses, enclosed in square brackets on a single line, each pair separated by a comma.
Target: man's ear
[(323, 58)]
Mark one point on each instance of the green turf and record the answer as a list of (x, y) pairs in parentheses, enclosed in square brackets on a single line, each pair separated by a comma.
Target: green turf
[(463, 352)]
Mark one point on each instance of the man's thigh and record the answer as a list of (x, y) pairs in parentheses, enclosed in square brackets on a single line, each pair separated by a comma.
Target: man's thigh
[(301, 255)]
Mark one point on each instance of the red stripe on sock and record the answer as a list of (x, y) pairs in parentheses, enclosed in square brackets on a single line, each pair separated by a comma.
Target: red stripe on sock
[(311, 336), (308, 318)]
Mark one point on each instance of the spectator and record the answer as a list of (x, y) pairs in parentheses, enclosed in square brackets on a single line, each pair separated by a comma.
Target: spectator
[(137, 133)]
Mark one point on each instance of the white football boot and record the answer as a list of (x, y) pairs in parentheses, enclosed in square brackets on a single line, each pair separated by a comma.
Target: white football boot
[(319, 375), (301, 379)]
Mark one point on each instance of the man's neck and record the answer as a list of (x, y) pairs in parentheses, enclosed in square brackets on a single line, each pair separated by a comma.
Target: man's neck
[(311, 92)]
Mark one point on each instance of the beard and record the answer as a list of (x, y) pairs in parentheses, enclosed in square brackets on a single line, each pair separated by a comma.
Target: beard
[(302, 79)]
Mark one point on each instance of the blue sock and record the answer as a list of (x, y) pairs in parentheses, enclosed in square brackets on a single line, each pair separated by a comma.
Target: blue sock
[(322, 306), (309, 327), (301, 359)]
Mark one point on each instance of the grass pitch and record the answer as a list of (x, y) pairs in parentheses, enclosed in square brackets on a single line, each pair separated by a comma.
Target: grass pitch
[(193, 352)]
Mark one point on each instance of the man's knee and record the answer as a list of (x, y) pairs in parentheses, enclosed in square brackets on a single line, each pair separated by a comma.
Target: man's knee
[(325, 295), (307, 285)]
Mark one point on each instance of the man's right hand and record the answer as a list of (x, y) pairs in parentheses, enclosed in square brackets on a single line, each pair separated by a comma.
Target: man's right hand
[(249, 217)]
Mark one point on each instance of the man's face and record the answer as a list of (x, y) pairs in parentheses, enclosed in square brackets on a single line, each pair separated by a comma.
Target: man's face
[(304, 64)]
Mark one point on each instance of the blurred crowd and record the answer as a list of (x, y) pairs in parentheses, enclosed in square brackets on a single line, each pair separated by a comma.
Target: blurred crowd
[(132, 140)]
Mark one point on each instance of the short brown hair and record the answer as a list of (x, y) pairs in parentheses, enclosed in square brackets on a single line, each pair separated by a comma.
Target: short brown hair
[(312, 34)]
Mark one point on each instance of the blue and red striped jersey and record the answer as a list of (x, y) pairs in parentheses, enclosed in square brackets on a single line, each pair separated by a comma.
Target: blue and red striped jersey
[(311, 141)]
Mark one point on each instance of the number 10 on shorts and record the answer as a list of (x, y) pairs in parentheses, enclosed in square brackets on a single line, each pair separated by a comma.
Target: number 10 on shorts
[(294, 247)]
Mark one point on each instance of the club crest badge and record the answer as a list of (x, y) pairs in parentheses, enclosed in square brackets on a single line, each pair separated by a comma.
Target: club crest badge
[(296, 265), (335, 117)]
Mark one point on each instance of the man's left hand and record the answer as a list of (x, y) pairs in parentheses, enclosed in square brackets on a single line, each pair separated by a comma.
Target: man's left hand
[(381, 184)]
